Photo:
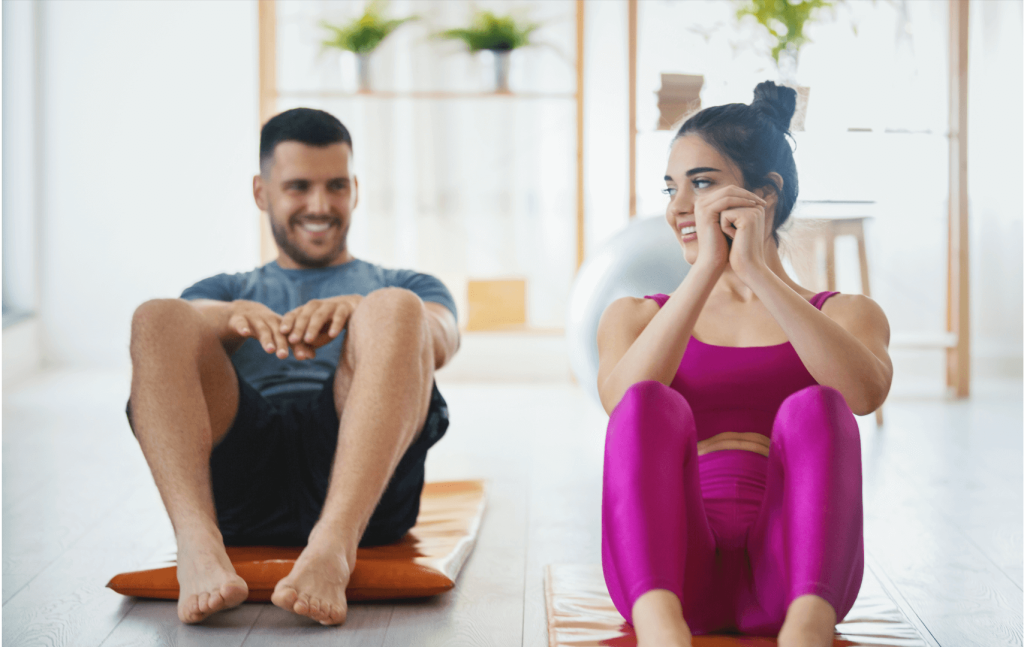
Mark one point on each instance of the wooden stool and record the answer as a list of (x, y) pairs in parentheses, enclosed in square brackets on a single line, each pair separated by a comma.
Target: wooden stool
[(807, 233)]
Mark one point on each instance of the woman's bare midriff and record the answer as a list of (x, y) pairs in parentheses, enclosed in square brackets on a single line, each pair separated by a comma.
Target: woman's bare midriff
[(750, 442)]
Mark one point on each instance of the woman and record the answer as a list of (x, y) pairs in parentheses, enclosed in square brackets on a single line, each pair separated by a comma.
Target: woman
[(732, 492)]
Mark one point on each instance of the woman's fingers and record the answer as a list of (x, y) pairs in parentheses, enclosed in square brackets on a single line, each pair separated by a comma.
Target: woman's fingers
[(738, 192), (720, 204)]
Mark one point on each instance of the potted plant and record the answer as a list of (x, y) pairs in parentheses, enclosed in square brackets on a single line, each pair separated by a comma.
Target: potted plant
[(785, 21), (362, 35), (498, 34)]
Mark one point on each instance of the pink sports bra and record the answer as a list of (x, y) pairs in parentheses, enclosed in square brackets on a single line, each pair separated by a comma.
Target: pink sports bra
[(739, 389)]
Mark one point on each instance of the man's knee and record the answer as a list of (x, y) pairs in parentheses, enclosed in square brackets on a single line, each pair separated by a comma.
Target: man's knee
[(389, 310), (163, 321)]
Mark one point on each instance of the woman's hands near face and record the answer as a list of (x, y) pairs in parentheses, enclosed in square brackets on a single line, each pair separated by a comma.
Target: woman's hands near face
[(746, 226), (730, 212)]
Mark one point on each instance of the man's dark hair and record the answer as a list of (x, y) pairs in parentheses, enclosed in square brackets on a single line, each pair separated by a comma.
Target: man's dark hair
[(305, 125)]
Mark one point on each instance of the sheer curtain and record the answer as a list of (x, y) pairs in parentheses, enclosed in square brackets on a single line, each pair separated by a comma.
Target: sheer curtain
[(469, 187), (996, 158)]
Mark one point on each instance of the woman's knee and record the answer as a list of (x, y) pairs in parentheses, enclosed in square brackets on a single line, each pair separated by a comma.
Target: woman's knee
[(813, 410), (655, 408)]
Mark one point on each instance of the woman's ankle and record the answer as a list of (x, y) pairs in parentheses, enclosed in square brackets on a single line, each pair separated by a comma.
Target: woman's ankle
[(658, 619), (810, 621)]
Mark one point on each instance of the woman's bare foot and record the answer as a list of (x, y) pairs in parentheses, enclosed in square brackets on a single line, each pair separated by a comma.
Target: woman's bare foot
[(810, 622), (207, 581), (658, 620), (316, 585)]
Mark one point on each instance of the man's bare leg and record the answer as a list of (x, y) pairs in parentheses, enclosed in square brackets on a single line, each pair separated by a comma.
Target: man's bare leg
[(382, 389), (184, 397)]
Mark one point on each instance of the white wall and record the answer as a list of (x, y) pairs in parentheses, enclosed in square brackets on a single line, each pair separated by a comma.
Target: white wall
[(19, 156), (149, 139)]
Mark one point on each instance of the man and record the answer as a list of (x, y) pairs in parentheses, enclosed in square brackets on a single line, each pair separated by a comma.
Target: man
[(293, 404)]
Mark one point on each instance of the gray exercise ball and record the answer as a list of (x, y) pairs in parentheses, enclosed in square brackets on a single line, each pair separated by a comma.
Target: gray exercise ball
[(644, 258)]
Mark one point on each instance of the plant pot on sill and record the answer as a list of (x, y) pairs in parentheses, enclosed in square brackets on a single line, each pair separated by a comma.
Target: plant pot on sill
[(363, 71), (502, 62)]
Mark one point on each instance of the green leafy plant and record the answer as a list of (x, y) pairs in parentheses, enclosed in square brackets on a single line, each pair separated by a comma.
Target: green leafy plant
[(784, 20), (488, 31), (363, 34)]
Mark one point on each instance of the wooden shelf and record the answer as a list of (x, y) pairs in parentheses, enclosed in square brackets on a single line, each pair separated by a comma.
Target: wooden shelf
[(424, 94)]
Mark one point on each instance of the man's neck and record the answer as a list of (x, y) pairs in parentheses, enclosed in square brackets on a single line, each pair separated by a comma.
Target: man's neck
[(288, 263)]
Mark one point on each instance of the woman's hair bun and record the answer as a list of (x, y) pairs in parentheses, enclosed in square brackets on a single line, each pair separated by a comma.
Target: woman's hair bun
[(777, 102)]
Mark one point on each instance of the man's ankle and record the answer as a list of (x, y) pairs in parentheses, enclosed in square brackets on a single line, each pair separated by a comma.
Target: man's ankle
[(198, 534)]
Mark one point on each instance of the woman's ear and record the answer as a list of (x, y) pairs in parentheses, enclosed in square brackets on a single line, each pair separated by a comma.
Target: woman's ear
[(771, 193)]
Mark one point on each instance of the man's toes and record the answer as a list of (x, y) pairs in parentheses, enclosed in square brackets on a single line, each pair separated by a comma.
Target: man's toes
[(233, 594), (301, 605), (314, 608), (189, 611), (334, 615), (214, 602), (284, 597)]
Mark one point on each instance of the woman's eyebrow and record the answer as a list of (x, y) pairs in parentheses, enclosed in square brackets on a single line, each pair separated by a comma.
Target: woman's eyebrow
[(701, 169)]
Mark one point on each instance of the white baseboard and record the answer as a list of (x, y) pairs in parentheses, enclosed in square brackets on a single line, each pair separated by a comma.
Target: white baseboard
[(20, 349), (509, 357)]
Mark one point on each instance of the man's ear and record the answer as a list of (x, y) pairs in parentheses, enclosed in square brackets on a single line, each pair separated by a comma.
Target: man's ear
[(355, 192), (259, 192)]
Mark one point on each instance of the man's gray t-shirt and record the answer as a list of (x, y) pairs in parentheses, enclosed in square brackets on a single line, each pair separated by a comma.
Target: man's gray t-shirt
[(284, 290)]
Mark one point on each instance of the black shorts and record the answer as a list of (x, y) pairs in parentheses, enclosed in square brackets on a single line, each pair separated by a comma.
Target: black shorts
[(271, 470)]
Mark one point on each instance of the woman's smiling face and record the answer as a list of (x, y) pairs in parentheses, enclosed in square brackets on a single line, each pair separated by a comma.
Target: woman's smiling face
[(694, 168)]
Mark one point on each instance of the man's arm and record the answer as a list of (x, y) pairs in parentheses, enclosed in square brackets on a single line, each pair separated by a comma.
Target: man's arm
[(319, 321), (235, 321), (444, 331)]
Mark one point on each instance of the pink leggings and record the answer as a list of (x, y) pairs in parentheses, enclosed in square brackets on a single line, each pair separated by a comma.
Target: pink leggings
[(735, 535)]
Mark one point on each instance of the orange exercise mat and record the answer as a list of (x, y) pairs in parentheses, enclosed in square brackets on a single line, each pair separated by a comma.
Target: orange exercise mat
[(425, 562), (580, 614)]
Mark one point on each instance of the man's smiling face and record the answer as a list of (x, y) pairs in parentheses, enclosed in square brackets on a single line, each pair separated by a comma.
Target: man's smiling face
[(309, 194)]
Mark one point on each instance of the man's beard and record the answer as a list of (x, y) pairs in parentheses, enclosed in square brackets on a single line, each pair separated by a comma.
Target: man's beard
[(294, 252)]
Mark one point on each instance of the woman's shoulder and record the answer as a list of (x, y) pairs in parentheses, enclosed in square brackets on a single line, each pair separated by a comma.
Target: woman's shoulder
[(855, 311), (632, 313)]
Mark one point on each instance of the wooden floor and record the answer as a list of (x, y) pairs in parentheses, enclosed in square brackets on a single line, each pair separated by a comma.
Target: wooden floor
[(943, 501)]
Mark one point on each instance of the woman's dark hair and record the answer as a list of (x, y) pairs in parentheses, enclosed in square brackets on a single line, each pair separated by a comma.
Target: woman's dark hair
[(306, 125), (754, 137)]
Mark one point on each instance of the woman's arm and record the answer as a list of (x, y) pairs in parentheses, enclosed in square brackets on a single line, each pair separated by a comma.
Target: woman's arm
[(635, 346), (635, 341), (846, 349)]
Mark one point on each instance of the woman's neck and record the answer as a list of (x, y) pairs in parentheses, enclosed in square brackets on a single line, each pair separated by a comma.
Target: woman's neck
[(732, 285)]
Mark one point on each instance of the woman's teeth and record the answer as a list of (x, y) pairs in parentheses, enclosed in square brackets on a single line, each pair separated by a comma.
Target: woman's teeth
[(316, 227), (686, 231)]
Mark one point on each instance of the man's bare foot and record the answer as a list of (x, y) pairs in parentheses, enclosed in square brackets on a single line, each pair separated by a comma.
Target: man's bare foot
[(316, 585), (810, 622), (658, 620), (207, 581)]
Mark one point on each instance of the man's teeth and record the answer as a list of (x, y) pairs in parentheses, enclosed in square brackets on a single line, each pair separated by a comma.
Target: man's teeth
[(316, 226), (686, 231)]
